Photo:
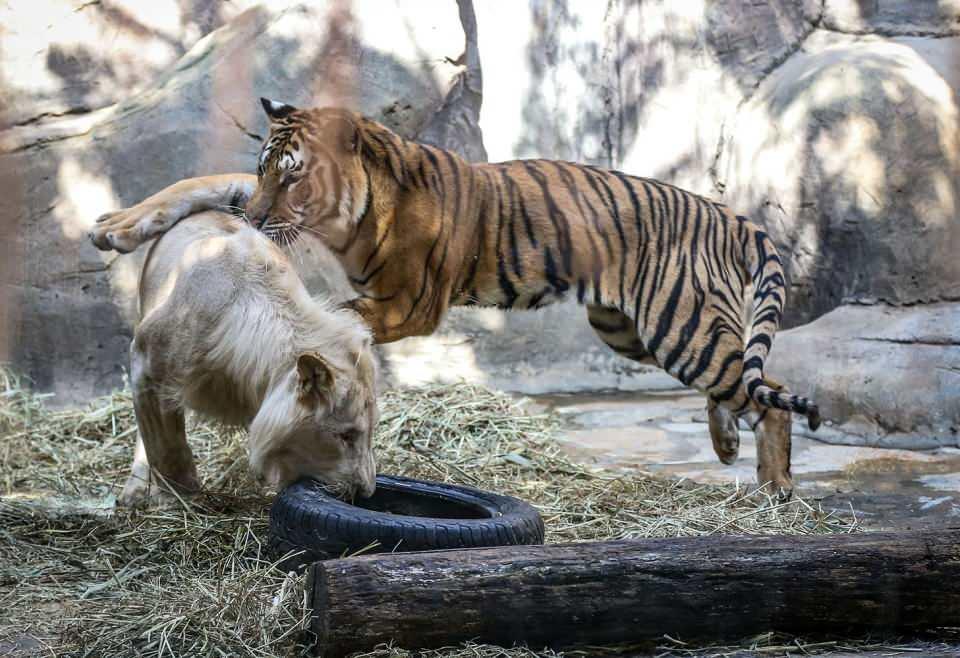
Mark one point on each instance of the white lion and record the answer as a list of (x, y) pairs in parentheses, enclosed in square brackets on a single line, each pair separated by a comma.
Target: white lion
[(228, 329)]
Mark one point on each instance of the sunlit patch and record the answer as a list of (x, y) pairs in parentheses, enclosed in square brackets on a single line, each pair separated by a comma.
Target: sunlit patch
[(85, 195), (420, 360)]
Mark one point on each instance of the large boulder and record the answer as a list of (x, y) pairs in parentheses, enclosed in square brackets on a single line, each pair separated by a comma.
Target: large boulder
[(67, 315), (849, 154), (833, 123), (883, 375), (933, 18), (62, 57)]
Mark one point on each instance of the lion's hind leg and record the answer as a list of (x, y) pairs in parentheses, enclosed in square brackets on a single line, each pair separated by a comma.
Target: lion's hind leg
[(162, 459)]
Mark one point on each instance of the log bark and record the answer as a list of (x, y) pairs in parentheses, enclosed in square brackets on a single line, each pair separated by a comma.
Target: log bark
[(703, 588)]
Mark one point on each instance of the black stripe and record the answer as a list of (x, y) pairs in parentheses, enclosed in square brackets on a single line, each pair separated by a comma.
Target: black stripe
[(659, 269), (441, 186), (420, 171), (514, 249), (759, 339), (368, 198), (376, 247), (691, 325), (559, 284), (506, 287), (455, 173), (536, 299), (514, 192), (557, 217), (753, 362), (425, 278), (365, 280), (668, 312), (727, 394), (604, 328), (595, 216), (618, 224), (773, 315), (706, 358), (730, 359)]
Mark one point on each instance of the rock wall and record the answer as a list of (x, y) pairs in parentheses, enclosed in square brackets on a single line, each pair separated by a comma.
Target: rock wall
[(834, 123), (67, 308), (885, 376)]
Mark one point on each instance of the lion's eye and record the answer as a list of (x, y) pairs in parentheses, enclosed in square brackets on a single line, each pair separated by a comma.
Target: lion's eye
[(350, 436)]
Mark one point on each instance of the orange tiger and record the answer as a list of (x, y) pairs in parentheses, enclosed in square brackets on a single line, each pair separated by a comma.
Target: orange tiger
[(668, 277)]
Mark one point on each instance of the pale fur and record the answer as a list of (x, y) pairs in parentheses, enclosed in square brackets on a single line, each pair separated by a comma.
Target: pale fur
[(229, 330)]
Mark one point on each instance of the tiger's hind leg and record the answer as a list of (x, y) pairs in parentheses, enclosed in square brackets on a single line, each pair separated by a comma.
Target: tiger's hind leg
[(619, 334), (724, 432), (773, 452), (771, 426), (773, 430), (617, 331)]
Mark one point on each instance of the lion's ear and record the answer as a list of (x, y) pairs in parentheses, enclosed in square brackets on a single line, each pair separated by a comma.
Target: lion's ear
[(275, 110), (316, 379)]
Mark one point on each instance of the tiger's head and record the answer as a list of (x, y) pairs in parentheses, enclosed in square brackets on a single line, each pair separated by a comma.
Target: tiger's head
[(310, 173)]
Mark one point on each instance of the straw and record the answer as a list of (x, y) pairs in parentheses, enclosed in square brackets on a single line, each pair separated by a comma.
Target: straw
[(80, 577)]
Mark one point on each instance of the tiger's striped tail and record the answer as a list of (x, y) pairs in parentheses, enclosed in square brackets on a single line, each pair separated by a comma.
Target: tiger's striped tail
[(766, 271)]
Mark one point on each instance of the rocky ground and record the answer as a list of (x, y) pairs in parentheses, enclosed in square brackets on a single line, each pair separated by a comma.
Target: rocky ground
[(884, 489), (666, 432)]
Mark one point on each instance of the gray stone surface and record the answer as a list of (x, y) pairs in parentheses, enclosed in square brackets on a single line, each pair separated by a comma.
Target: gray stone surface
[(884, 376), (847, 153), (72, 56), (667, 433), (833, 123), (893, 17), (67, 310)]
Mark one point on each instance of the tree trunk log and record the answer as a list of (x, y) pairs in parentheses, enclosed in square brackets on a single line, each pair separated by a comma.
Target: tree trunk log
[(702, 588)]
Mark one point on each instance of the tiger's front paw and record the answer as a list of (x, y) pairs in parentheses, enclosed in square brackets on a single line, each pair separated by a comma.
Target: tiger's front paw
[(125, 230)]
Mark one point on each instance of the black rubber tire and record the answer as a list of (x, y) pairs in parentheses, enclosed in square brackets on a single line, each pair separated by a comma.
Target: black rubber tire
[(306, 517)]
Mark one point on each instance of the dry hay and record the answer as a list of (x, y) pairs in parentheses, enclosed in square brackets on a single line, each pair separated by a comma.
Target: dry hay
[(81, 578)]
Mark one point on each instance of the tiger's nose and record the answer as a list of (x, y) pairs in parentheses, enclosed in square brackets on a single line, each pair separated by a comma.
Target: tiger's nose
[(257, 221)]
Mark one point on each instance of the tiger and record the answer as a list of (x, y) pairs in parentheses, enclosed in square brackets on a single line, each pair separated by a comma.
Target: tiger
[(668, 277)]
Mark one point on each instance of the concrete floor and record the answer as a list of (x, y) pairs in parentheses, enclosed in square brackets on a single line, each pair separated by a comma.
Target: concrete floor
[(666, 432)]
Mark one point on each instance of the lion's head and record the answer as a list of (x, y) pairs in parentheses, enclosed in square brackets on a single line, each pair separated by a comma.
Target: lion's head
[(319, 423)]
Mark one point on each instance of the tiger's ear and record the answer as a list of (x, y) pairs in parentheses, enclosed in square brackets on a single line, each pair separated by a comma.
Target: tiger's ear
[(276, 111), (316, 379)]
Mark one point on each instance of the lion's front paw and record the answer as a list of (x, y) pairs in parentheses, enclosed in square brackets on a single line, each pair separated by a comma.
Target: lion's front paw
[(141, 492), (147, 492)]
